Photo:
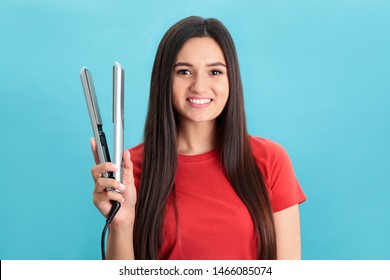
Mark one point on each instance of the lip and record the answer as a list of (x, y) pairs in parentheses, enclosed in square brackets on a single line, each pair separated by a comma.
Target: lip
[(198, 102)]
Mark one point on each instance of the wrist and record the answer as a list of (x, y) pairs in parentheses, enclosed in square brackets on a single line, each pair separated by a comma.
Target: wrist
[(121, 228), (122, 224)]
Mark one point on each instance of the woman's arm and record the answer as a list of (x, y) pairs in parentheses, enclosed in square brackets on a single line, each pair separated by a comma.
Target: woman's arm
[(120, 235), (288, 233), (120, 243)]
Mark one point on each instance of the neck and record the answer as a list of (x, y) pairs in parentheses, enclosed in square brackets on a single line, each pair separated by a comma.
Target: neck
[(195, 138)]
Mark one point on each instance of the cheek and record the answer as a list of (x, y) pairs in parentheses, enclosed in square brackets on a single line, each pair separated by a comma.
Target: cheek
[(175, 103), (223, 93), (222, 88), (175, 95), (177, 88)]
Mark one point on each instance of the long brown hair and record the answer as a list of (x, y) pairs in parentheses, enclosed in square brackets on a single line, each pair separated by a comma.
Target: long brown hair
[(160, 153)]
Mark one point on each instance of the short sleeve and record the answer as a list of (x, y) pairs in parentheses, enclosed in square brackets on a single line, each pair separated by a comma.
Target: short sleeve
[(283, 187)]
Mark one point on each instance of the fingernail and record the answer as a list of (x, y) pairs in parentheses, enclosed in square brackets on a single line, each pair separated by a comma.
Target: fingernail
[(123, 200), (122, 186), (114, 166)]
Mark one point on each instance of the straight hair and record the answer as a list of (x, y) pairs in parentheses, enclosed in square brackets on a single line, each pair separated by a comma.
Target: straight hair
[(160, 150)]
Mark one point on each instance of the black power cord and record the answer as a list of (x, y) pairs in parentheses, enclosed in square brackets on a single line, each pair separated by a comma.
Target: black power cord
[(114, 209)]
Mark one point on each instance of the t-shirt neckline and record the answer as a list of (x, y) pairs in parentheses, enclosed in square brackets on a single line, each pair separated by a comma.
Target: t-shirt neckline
[(198, 158)]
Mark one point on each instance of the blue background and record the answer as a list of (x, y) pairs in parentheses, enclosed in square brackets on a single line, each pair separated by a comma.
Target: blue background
[(316, 79)]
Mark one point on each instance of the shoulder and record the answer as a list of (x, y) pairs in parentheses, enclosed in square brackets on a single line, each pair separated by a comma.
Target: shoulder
[(267, 149), (137, 151), (136, 156), (272, 159)]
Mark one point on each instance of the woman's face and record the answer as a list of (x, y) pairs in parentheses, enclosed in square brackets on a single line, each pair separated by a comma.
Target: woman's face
[(200, 85)]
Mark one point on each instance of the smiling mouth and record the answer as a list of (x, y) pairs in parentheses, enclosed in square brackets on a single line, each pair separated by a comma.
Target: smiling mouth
[(199, 101)]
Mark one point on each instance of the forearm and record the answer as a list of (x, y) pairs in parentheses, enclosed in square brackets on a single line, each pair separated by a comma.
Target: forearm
[(120, 243), (289, 251)]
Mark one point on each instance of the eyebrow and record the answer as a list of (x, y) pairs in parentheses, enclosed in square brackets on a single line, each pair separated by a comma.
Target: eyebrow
[(208, 65)]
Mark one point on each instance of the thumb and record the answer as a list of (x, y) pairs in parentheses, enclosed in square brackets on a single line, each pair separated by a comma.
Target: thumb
[(94, 150), (128, 177)]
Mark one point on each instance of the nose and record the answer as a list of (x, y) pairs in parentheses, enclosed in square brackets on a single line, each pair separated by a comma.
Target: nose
[(199, 84)]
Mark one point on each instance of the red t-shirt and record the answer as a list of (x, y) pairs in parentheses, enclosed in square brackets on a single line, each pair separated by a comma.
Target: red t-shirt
[(213, 223)]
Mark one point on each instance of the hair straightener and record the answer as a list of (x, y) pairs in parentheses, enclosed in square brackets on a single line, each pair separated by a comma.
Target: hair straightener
[(97, 128)]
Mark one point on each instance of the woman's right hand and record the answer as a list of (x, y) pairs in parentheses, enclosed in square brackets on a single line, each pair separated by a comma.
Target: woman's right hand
[(101, 197)]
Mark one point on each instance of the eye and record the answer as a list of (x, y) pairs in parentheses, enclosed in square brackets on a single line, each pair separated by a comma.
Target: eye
[(215, 72), (183, 72)]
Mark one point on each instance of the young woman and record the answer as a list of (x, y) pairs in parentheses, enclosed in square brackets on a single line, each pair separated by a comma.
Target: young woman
[(200, 187)]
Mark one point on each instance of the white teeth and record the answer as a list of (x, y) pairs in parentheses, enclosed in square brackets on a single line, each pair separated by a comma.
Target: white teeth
[(199, 101)]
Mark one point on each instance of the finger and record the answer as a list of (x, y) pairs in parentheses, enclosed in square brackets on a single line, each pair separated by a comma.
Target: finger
[(100, 169), (102, 201), (94, 150), (103, 183), (128, 176)]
